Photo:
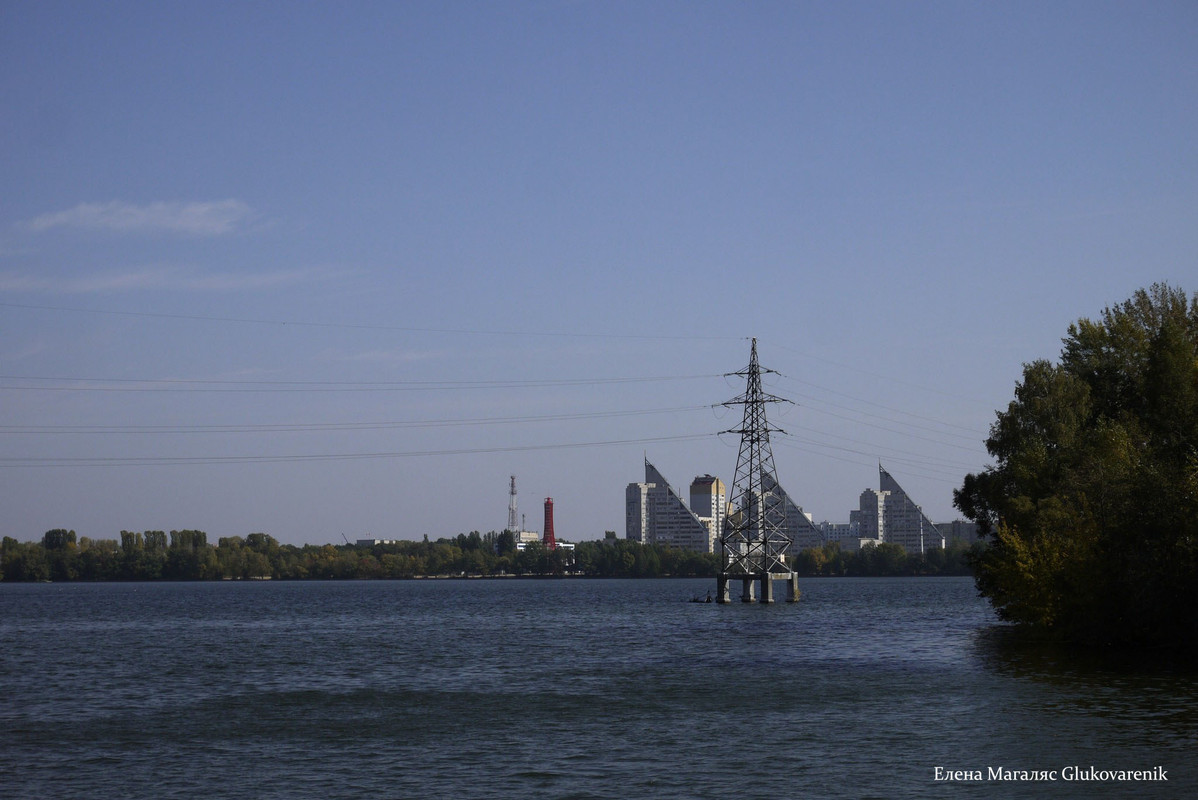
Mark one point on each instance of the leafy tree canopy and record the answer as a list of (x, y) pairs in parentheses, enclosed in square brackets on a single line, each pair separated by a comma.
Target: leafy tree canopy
[(1092, 503)]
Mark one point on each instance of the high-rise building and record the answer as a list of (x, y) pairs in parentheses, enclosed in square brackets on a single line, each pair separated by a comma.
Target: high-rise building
[(959, 531), (799, 526), (835, 531), (638, 511), (870, 516), (906, 523), (889, 515), (709, 502), (656, 514)]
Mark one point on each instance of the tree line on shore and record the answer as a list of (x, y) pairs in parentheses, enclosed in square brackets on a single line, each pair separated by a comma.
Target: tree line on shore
[(187, 555)]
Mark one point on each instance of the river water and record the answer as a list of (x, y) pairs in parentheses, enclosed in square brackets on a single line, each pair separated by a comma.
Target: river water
[(567, 688)]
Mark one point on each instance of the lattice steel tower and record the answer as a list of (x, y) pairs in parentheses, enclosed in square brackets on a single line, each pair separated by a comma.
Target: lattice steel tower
[(754, 541), (513, 522)]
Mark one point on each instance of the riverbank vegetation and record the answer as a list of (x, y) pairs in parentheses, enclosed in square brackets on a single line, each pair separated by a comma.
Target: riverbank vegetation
[(883, 560), (187, 555), (1092, 504)]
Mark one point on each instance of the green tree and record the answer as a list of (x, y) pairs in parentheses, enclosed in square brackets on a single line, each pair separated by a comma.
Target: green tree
[(24, 561), (289, 563), (98, 559), (62, 554), (810, 561), (152, 558), (58, 539), (531, 560), (505, 543), (189, 556), (262, 543), (884, 558), (256, 565), (1092, 504), (231, 556)]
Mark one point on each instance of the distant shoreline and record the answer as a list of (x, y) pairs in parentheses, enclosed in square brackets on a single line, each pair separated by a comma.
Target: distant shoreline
[(463, 578)]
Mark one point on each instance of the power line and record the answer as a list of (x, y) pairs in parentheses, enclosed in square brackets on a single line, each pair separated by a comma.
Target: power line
[(334, 426), (921, 386), (974, 431), (230, 386), (892, 430), (943, 476), (878, 450), (359, 325), (156, 461)]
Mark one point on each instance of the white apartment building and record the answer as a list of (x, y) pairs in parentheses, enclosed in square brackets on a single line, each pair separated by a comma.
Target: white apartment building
[(656, 514), (889, 515)]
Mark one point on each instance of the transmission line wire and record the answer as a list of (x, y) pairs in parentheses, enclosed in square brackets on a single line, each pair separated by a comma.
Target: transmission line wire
[(146, 461), (230, 386), (361, 325), (333, 426)]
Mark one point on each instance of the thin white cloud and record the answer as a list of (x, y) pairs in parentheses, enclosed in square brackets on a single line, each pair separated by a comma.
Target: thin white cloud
[(160, 278), (196, 219)]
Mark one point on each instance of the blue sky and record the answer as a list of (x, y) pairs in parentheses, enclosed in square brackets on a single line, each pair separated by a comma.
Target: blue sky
[(325, 269)]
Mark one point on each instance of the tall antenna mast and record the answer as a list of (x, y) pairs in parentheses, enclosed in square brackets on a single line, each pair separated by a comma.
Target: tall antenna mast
[(513, 521), (754, 541)]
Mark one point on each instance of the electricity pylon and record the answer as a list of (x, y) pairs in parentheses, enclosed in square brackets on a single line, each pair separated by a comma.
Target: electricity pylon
[(754, 541)]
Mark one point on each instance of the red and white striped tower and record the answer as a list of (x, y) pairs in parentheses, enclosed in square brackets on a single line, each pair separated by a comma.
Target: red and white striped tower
[(550, 541)]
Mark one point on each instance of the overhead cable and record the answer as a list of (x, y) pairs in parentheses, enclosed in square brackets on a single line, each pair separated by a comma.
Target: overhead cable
[(166, 461)]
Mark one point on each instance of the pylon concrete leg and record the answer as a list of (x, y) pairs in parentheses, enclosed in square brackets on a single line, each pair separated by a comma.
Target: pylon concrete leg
[(792, 588), (767, 588), (721, 590), (746, 592)]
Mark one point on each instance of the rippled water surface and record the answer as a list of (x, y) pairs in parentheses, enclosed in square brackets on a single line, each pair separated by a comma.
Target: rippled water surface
[(570, 688)]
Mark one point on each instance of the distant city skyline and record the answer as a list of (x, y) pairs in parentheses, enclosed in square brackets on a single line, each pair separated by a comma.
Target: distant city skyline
[(656, 513)]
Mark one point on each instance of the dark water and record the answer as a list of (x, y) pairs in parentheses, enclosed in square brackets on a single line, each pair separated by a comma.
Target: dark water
[(586, 689)]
